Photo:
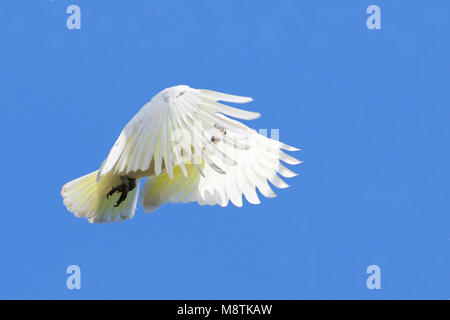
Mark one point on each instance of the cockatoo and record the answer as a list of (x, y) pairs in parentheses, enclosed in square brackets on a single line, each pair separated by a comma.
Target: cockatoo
[(188, 148)]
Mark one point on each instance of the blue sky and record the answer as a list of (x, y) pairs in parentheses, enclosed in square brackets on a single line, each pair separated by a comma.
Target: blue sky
[(369, 108)]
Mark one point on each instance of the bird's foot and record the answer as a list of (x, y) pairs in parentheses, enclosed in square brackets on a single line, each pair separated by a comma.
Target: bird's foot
[(126, 186)]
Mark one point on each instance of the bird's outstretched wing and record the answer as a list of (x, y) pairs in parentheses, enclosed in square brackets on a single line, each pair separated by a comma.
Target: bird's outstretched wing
[(179, 125), (255, 167)]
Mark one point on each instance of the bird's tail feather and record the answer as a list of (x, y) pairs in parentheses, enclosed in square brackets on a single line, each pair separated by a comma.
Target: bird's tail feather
[(86, 197)]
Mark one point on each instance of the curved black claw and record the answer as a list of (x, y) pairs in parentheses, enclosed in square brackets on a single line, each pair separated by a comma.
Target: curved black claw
[(126, 186), (115, 189), (122, 197)]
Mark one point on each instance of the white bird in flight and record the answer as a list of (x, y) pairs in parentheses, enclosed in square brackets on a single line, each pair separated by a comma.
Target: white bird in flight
[(189, 150)]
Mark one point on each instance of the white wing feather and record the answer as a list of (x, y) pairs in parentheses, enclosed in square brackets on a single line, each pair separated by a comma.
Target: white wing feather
[(255, 167), (174, 125)]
